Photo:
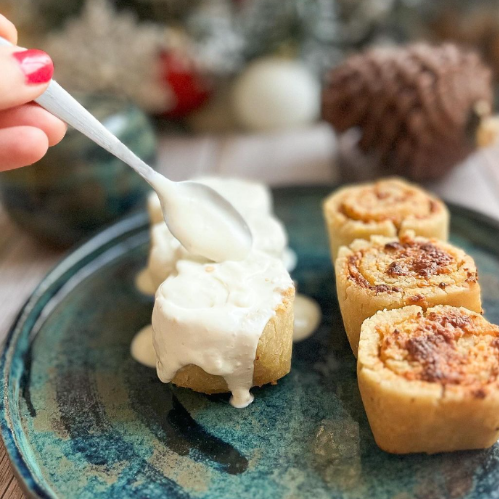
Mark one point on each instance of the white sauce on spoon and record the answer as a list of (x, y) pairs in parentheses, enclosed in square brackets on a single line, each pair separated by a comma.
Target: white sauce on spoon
[(203, 221), (252, 199), (247, 197), (307, 317)]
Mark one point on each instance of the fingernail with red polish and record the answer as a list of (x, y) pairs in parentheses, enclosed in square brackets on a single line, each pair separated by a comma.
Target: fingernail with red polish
[(36, 65)]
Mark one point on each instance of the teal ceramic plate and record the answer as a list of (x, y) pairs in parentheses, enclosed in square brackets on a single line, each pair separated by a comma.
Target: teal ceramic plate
[(81, 419)]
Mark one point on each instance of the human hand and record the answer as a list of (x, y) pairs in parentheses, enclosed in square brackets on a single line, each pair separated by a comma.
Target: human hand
[(26, 130)]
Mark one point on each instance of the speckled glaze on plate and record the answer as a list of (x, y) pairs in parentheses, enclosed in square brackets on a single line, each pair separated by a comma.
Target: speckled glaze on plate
[(81, 419)]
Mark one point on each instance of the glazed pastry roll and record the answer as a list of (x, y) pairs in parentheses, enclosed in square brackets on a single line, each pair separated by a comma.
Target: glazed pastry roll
[(226, 326), (429, 379), (246, 196), (389, 207), (269, 236), (392, 273)]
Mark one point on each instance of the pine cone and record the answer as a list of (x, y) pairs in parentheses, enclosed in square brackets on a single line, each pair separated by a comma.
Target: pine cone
[(415, 106)]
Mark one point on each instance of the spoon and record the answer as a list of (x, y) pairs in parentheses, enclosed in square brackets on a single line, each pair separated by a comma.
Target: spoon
[(201, 219)]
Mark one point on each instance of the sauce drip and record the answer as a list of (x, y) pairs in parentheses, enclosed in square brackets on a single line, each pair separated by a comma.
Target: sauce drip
[(307, 318), (142, 348)]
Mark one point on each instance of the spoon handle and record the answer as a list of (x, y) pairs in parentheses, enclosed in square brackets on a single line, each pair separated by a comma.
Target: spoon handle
[(64, 106), (60, 103)]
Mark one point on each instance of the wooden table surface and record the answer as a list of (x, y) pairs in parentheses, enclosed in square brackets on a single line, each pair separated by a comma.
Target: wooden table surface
[(295, 157)]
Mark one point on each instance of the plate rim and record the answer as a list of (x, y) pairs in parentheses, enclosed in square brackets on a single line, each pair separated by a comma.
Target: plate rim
[(107, 237), (48, 287)]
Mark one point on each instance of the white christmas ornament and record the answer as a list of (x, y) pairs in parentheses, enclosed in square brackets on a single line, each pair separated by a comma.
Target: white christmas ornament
[(275, 93)]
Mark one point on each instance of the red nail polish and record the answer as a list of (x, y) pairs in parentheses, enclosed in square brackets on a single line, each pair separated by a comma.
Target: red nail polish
[(36, 65)]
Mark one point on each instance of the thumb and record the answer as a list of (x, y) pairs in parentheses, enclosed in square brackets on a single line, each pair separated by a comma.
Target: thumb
[(24, 75)]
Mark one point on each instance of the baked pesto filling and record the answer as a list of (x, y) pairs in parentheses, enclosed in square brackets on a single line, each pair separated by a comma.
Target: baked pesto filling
[(448, 347), (387, 200), (408, 265)]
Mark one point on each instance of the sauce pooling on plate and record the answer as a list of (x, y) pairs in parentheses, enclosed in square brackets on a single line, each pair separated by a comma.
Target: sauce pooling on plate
[(142, 348), (307, 317)]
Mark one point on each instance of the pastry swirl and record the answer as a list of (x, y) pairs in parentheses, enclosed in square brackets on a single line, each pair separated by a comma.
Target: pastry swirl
[(429, 379), (387, 273), (389, 207)]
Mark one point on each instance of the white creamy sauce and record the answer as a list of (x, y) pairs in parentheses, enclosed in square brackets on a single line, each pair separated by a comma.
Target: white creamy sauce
[(246, 196), (142, 348), (269, 237), (307, 317), (203, 221), (213, 314), (144, 282), (269, 234), (252, 199)]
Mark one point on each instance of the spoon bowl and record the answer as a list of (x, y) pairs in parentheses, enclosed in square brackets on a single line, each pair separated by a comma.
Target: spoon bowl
[(206, 223)]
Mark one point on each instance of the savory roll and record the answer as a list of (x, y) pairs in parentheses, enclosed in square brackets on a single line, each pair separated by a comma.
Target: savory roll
[(269, 236), (227, 326), (392, 273), (389, 207), (429, 379), (246, 196)]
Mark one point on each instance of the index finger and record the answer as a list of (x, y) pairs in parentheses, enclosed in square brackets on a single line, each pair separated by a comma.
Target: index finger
[(8, 30)]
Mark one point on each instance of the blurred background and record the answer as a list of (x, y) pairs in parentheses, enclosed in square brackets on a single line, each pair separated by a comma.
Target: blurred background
[(282, 91)]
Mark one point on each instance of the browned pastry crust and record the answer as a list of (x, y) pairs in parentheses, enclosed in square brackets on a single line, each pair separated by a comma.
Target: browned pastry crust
[(430, 380), (389, 207), (386, 273), (272, 360)]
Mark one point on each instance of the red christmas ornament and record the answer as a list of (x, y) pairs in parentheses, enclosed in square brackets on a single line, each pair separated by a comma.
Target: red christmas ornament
[(189, 89)]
